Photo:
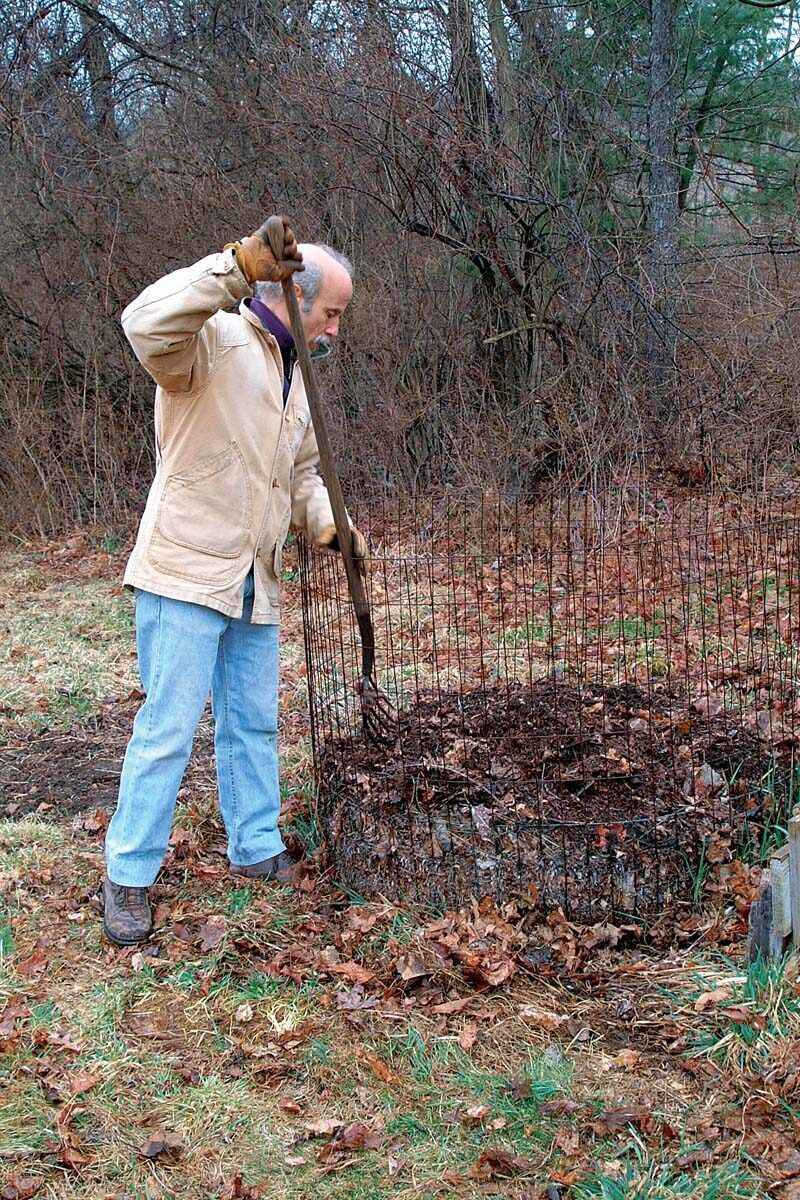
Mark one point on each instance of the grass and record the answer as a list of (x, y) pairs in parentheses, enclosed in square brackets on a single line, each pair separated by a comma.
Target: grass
[(65, 648), (650, 1178), (748, 1014)]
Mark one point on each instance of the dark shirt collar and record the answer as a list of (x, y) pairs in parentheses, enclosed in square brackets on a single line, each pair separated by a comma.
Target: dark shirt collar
[(275, 325)]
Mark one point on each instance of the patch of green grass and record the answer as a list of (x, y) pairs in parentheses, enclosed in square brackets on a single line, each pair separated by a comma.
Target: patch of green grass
[(28, 843), (318, 1052), (779, 792), (45, 1015), (6, 939), (306, 827), (739, 1031), (648, 1177), (401, 929), (111, 542), (183, 978), (64, 650), (239, 900), (26, 1119), (532, 631)]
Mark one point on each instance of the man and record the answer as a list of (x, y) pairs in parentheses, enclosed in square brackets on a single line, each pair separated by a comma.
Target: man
[(236, 464)]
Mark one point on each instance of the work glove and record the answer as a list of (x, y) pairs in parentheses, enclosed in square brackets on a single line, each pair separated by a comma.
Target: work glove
[(329, 540), (256, 261)]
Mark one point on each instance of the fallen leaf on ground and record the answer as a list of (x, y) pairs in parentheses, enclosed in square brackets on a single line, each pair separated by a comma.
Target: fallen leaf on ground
[(617, 1120), (211, 933), (161, 1142), (354, 999), (20, 1187), (360, 918), (358, 1136), (82, 1081), (496, 1163), (627, 1057), (707, 1000), (353, 971), (468, 1035), (451, 1006), (237, 1189), (409, 967), (561, 1106), (323, 1126), (475, 1114), (545, 1020), (379, 1067)]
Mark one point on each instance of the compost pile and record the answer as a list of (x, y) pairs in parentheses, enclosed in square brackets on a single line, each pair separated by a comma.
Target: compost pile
[(595, 799)]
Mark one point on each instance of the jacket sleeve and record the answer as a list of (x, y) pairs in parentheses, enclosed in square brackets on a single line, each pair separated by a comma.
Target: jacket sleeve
[(311, 506), (168, 325)]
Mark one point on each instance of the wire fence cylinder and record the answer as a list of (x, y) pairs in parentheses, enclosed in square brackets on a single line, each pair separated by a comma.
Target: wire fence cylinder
[(593, 697)]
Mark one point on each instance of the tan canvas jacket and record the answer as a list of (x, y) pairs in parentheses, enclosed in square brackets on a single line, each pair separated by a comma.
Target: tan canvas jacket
[(234, 467)]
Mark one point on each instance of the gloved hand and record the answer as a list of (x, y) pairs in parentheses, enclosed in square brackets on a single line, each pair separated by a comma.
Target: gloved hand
[(329, 540), (256, 261)]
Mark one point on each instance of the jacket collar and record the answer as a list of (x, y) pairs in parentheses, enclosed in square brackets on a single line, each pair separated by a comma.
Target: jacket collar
[(275, 325)]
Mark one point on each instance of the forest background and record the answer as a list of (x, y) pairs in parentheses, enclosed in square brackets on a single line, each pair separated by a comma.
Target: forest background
[(574, 227)]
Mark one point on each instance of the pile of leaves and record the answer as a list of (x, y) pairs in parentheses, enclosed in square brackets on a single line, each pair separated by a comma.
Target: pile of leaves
[(597, 800)]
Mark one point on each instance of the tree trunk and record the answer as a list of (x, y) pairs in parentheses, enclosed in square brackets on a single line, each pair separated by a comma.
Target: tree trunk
[(663, 211)]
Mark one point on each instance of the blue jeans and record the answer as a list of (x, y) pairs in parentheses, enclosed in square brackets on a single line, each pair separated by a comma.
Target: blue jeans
[(184, 650)]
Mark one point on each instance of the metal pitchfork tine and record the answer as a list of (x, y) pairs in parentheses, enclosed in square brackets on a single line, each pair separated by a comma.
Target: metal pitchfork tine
[(379, 718)]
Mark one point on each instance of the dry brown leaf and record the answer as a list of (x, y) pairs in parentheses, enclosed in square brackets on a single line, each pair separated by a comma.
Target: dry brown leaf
[(161, 1142), (707, 1000), (475, 1114), (409, 967), (21, 1187), (545, 1020), (468, 1036), (496, 1163), (378, 1066), (451, 1006), (82, 1081), (358, 1136), (627, 1057), (212, 932), (561, 1106), (323, 1126), (361, 918), (353, 971)]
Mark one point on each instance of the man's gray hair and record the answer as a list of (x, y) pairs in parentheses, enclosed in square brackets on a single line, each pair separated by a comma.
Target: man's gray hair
[(308, 281)]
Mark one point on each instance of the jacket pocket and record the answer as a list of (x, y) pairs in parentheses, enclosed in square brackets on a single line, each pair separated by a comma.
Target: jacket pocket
[(207, 507)]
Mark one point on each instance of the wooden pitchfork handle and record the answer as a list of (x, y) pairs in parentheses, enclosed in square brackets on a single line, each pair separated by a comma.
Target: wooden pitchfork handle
[(355, 581)]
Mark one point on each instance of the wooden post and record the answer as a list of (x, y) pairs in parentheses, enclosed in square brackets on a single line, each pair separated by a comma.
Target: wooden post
[(770, 921), (781, 924), (794, 876)]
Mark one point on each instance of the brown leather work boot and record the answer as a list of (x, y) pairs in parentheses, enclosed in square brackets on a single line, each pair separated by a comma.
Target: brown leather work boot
[(280, 868), (127, 918)]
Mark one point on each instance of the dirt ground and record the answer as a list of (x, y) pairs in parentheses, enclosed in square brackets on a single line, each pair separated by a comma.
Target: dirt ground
[(307, 1041)]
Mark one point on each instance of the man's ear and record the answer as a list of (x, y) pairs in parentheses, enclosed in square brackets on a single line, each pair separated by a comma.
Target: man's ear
[(298, 291)]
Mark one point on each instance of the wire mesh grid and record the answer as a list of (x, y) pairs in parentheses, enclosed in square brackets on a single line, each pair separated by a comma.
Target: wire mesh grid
[(591, 693)]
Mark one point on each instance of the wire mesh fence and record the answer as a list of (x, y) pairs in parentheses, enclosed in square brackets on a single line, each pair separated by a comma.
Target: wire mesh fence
[(592, 695)]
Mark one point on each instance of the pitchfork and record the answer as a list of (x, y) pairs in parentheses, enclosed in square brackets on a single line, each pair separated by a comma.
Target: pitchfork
[(378, 717)]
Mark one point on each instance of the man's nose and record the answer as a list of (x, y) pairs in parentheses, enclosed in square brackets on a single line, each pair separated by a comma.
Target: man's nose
[(332, 328)]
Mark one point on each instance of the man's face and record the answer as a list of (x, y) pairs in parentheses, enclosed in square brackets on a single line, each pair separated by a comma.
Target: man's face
[(321, 324)]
